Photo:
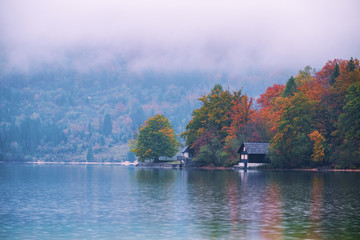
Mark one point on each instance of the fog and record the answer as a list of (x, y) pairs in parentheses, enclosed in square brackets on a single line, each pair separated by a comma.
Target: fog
[(172, 36)]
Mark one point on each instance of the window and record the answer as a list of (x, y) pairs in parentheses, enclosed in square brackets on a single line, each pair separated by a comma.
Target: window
[(246, 156), (242, 156)]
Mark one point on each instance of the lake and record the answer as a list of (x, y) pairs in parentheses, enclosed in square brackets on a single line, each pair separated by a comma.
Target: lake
[(115, 202)]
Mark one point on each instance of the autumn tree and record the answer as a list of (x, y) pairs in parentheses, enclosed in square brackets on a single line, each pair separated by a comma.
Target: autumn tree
[(222, 114), (211, 118), (240, 129), (155, 139), (240, 115), (291, 146), (271, 104), (318, 155)]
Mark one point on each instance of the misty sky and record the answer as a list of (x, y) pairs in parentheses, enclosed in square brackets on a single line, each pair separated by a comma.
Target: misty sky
[(179, 35)]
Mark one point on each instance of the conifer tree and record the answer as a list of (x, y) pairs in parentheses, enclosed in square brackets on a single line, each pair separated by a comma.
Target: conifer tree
[(351, 65), (90, 155), (107, 126), (290, 87), (335, 74), (90, 129)]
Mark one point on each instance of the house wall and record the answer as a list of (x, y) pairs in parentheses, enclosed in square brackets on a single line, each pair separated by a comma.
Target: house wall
[(250, 165), (257, 158)]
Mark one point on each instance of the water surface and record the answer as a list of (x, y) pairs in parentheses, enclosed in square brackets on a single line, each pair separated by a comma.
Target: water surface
[(115, 202)]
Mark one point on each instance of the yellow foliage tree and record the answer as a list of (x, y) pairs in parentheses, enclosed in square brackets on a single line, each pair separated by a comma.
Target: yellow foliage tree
[(319, 149)]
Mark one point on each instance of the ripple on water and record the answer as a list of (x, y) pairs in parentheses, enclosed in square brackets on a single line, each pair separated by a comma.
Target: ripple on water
[(113, 202)]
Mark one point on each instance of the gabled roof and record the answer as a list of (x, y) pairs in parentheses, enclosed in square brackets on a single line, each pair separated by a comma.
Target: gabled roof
[(255, 148), (185, 149)]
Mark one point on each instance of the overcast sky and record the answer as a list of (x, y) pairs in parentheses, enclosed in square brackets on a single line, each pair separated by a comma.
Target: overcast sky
[(180, 35)]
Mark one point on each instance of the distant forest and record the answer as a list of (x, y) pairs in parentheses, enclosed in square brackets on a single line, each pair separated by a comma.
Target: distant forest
[(54, 114), (59, 115), (51, 113)]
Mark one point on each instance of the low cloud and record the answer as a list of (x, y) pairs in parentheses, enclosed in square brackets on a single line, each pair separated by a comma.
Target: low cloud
[(224, 36)]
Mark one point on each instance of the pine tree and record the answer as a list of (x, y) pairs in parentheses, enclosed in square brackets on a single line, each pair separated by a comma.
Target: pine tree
[(351, 65), (107, 126), (290, 87), (102, 141), (334, 75), (137, 115), (90, 155), (90, 129)]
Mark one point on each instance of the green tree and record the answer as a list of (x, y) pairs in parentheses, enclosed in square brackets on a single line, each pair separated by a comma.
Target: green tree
[(107, 126), (351, 65), (334, 74), (155, 139), (137, 115), (90, 129), (290, 87), (30, 134), (349, 128), (291, 146), (102, 141), (90, 155)]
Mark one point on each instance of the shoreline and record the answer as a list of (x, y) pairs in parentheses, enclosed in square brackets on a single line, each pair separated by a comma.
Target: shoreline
[(127, 163), (323, 170), (306, 169)]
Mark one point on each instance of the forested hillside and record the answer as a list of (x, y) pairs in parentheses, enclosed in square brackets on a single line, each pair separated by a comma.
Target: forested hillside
[(58, 116), (60, 113)]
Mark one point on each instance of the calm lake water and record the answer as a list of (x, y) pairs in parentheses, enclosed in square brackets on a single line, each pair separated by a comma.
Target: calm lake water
[(115, 202)]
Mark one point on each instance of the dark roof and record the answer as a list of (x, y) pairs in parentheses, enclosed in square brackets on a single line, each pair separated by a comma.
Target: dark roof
[(185, 149), (255, 148)]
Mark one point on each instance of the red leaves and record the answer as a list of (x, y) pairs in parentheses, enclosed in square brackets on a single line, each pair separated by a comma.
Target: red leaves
[(240, 115), (271, 105)]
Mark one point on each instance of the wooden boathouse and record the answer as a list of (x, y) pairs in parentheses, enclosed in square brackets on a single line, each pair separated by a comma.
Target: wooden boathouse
[(254, 153), (186, 158)]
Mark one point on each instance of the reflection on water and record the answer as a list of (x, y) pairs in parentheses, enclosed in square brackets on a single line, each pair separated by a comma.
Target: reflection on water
[(114, 202), (271, 215)]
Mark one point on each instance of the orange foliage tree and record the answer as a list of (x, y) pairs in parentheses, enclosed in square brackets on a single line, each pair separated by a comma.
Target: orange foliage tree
[(318, 155), (271, 104)]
